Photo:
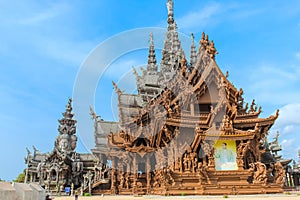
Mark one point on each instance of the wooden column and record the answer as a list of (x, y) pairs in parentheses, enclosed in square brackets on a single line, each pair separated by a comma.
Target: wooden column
[(211, 161), (113, 176), (192, 109), (135, 169), (148, 172)]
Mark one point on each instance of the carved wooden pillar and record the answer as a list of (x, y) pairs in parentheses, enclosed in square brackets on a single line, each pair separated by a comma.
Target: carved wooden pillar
[(241, 148), (180, 164), (148, 171), (211, 159), (90, 175), (135, 169), (240, 162), (192, 109), (113, 175), (128, 169)]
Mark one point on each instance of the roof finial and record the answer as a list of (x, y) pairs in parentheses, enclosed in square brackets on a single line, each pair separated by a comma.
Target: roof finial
[(119, 92), (93, 114), (193, 58), (151, 57), (68, 113), (151, 39), (170, 6)]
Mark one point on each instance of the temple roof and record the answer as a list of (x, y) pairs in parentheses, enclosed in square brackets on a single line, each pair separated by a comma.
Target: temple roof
[(184, 94)]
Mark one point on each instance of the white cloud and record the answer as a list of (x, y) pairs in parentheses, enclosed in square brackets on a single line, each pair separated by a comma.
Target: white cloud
[(288, 126), (274, 85), (36, 18), (289, 148), (287, 143), (31, 12), (200, 17), (63, 49), (215, 13), (291, 74), (289, 116)]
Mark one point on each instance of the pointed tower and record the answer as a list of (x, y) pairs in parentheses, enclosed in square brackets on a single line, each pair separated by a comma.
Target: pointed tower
[(193, 58), (147, 84), (172, 51), (152, 66), (67, 140)]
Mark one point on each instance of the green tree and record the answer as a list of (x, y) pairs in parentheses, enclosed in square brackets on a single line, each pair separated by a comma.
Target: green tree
[(21, 177)]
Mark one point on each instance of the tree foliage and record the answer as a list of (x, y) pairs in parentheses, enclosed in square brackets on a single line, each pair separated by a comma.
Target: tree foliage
[(21, 177)]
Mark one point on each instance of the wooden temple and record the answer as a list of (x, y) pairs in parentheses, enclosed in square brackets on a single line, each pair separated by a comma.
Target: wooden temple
[(187, 131)]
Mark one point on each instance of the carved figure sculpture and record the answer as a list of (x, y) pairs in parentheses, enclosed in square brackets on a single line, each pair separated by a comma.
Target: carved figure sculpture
[(260, 175), (279, 173), (211, 50)]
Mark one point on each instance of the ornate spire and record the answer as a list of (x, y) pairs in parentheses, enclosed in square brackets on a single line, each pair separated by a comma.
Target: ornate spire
[(151, 57), (172, 46), (193, 58), (68, 113), (67, 123), (67, 140)]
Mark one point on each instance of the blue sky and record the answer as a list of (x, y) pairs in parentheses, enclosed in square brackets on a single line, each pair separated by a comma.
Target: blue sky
[(44, 43)]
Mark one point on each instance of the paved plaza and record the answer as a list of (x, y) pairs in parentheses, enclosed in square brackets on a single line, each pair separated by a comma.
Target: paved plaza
[(287, 196)]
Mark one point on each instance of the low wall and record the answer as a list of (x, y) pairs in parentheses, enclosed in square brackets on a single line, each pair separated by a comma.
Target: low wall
[(21, 191)]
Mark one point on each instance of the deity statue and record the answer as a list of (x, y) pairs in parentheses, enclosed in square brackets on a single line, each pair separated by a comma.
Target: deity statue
[(194, 164), (63, 142), (122, 180), (260, 175), (279, 173), (204, 41), (176, 108), (253, 106), (185, 162), (212, 50), (127, 181), (203, 173)]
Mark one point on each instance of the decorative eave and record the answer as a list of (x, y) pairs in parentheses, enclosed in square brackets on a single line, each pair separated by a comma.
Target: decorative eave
[(115, 141), (235, 135), (142, 150), (250, 115), (260, 121), (188, 122)]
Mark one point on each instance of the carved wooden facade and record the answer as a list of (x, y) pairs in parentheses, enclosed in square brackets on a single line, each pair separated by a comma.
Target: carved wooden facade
[(171, 135)]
